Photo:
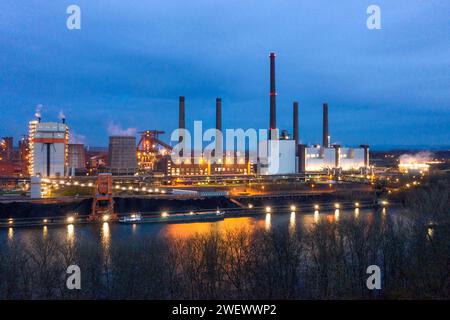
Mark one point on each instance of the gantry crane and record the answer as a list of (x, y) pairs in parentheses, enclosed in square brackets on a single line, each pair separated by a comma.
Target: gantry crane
[(103, 203)]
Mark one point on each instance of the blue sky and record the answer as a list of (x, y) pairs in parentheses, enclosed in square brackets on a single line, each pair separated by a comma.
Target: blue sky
[(132, 59)]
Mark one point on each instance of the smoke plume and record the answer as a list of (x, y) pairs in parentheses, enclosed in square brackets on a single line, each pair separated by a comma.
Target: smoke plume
[(37, 113), (117, 130), (75, 138), (420, 157)]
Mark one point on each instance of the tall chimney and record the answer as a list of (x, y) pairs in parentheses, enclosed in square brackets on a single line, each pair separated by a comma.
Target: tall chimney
[(326, 133), (295, 126), (273, 96), (219, 123), (181, 122), (181, 117)]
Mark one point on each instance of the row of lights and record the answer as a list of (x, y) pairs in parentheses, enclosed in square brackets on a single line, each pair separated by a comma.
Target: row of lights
[(316, 206), (90, 184), (143, 189), (165, 214)]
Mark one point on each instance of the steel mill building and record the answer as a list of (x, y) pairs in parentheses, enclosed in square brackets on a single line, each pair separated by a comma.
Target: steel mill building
[(48, 148), (77, 158), (122, 155)]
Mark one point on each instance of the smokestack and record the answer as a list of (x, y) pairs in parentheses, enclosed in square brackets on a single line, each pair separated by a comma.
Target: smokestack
[(181, 115), (219, 114), (273, 96), (63, 120), (295, 126), (219, 122), (39, 119), (326, 134), (181, 121)]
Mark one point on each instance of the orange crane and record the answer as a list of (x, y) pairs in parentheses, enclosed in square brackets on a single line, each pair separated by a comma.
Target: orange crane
[(103, 203)]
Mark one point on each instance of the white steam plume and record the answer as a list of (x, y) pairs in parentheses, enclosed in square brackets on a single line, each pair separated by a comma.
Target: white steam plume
[(420, 157), (37, 113), (117, 130), (75, 138)]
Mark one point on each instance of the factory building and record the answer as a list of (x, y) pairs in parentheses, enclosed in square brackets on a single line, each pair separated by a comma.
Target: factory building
[(318, 158), (9, 166), (285, 156), (279, 157), (24, 154), (232, 163), (328, 157), (6, 148), (77, 158), (278, 154), (352, 159), (122, 155), (48, 150), (150, 150)]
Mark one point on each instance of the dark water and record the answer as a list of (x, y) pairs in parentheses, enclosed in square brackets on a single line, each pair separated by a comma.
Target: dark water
[(110, 234)]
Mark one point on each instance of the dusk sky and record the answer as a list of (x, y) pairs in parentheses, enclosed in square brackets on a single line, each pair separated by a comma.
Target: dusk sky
[(131, 61)]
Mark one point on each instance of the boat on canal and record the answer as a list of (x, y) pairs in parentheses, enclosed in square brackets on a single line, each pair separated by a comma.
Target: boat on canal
[(174, 217)]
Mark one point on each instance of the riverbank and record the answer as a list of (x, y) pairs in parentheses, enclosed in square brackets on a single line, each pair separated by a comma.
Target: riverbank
[(126, 205)]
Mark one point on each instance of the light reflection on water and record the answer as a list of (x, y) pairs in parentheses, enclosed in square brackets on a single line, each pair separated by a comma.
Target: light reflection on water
[(383, 214), (292, 221), (316, 216), (336, 214), (105, 238), (268, 221), (107, 234), (70, 232)]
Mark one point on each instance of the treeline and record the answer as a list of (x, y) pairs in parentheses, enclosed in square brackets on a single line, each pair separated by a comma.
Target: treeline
[(326, 261)]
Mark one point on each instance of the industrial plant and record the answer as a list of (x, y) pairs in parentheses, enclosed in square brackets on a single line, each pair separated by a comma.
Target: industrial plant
[(46, 163), (220, 159), (48, 153)]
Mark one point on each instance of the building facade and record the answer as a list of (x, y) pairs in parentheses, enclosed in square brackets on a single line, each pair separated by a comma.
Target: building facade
[(318, 158), (122, 155), (48, 149)]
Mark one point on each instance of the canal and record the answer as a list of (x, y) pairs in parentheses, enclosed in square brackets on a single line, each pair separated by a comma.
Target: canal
[(113, 233)]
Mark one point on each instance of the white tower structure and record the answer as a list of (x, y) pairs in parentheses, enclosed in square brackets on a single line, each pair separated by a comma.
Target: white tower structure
[(48, 148)]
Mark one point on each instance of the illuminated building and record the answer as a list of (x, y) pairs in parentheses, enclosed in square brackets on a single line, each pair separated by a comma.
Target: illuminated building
[(48, 150), (151, 149)]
